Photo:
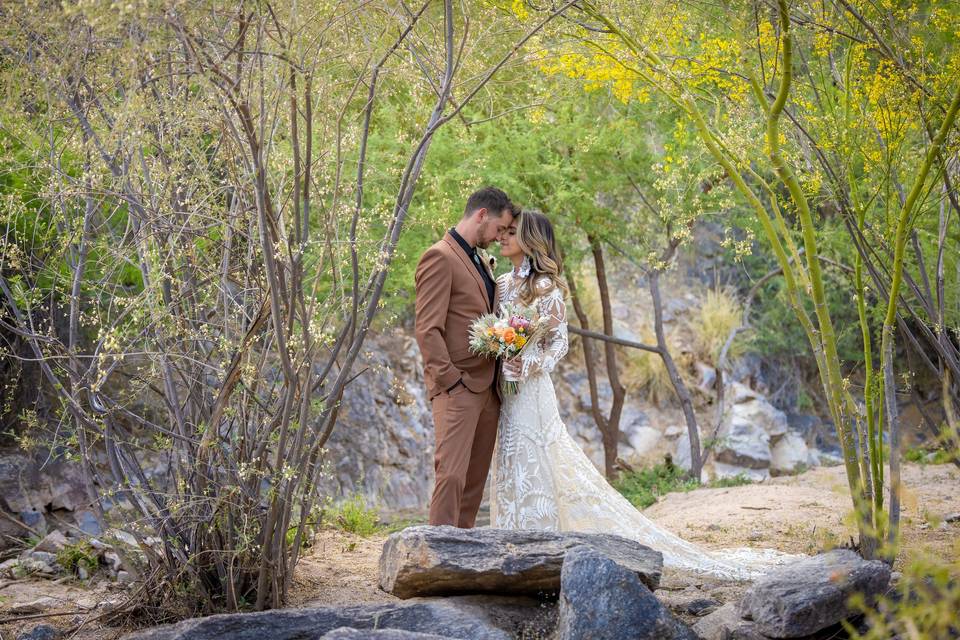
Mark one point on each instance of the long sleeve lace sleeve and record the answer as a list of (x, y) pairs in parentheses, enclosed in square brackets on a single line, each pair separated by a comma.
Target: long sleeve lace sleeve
[(550, 348)]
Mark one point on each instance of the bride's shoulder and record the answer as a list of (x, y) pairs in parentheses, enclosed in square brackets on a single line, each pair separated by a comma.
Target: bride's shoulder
[(503, 278), (544, 285)]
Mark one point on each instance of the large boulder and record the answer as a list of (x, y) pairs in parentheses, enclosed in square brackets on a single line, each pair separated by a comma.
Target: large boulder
[(35, 489), (760, 413), (427, 560), (383, 446), (811, 594), (469, 618), (744, 444), (602, 600)]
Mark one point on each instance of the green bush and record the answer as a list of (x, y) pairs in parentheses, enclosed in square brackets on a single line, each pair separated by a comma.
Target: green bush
[(642, 488), (923, 604), (354, 515), (79, 555)]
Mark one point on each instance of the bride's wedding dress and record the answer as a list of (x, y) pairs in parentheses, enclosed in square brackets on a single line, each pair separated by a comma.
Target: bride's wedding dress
[(543, 480)]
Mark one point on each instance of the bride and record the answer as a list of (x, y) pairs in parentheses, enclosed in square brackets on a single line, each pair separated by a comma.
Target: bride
[(541, 478)]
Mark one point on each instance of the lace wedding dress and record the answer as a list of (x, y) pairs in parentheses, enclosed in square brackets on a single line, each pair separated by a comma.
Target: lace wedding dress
[(543, 480)]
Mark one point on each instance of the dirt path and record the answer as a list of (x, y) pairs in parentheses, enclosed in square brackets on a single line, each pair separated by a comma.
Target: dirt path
[(797, 514)]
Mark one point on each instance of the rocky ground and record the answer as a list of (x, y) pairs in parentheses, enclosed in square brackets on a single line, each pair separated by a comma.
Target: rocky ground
[(803, 513)]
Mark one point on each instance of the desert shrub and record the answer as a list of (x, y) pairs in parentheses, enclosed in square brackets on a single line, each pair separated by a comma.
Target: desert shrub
[(355, 515), (80, 555), (644, 372), (720, 313), (642, 488), (212, 288), (922, 605)]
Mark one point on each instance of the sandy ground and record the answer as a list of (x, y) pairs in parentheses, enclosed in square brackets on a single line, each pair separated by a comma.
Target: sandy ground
[(797, 514), (811, 512)]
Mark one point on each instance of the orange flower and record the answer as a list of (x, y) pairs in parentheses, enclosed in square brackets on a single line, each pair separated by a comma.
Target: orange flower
[(509, 335)]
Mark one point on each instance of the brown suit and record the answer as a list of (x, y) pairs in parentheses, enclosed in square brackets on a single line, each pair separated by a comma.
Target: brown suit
[(450, 295)]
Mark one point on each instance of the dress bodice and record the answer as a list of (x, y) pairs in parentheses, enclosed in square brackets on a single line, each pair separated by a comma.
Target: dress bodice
[(542, 356)]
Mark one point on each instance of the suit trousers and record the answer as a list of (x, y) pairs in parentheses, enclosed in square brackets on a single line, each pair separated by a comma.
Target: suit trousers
[(465, 425)]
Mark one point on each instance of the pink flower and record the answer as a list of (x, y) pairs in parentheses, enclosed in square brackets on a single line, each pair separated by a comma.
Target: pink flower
[(519, 323)]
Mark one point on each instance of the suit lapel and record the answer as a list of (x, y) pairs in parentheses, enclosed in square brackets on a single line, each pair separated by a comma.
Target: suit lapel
[(469, 266)]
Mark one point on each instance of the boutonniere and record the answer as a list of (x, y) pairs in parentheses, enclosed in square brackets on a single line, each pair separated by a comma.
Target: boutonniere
[(488, 260)]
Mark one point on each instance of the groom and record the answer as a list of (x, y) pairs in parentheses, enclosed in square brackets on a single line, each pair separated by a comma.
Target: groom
[(455, 286)]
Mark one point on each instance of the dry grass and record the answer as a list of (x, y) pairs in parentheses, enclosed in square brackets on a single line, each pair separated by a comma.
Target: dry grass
[(720, 313), (645, 372)]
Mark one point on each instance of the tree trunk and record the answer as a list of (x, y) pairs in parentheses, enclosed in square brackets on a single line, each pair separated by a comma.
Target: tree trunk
[(589, 362), (611, 434), (696, 460)]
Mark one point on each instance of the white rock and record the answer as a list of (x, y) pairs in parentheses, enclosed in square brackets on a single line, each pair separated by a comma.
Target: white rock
[(113, 560), (721, 471), (760, 413), (744, 444), (673, 431), (644, 440), (790, 454), (125, 537)]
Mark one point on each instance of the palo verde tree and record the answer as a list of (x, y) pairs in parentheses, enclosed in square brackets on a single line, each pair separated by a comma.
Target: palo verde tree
[(807, 109)]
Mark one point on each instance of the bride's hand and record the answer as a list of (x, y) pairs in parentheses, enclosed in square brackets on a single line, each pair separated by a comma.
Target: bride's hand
[(513, 367)]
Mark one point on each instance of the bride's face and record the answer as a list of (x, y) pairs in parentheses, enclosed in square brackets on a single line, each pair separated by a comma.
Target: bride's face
[(508, 242)]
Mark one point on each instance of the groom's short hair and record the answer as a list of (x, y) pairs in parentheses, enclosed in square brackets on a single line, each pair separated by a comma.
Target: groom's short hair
[(490, 198)]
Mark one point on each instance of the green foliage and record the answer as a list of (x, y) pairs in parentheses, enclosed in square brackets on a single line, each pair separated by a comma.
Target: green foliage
[(643, 488), (355, 515), (921, 455), (734, 481), (79, 555), (923, 605)]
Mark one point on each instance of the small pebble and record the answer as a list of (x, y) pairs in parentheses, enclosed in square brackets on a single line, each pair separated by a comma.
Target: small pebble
[(701, 606)]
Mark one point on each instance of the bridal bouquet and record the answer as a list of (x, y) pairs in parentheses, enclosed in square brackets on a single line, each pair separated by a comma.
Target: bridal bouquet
[(505, 335)]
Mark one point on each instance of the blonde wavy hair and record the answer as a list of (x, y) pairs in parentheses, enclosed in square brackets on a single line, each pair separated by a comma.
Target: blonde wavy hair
[(536, 239)]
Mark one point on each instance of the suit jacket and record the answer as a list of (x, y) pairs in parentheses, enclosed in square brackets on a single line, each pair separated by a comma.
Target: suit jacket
[(450, 296)]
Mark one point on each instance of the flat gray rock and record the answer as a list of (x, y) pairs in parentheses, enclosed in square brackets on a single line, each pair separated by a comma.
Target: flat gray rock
[(347, 633), (601, 600), (809, 595), (425, 560), (467, 618)]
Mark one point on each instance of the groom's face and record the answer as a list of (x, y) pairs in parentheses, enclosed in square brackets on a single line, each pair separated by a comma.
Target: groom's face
[(492, 228)]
